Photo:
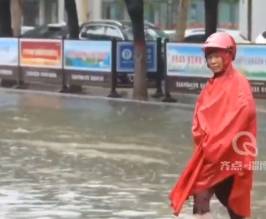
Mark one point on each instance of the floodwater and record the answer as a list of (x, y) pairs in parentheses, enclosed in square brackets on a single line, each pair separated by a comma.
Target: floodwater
[(77, 158)]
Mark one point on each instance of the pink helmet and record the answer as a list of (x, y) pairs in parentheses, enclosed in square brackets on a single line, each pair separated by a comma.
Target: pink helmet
[(221, 40)]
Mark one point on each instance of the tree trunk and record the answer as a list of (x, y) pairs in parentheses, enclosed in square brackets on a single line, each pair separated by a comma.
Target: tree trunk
[(16, 16), (181, 19), (211, 15), (72, 18), (83, 10), (135, 10), (5, 19)]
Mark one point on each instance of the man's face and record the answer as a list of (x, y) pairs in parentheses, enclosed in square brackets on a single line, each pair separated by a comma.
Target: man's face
[(215, 62)]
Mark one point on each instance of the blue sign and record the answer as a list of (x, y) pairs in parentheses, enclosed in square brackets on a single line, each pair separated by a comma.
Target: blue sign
[(125, 57)]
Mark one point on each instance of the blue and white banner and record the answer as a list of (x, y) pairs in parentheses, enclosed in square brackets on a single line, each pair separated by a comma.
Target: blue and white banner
[(187, 60), (8, 52), (251, 61)]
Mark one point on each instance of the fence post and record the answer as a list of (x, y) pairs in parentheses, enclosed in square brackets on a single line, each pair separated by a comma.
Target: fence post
[(168, 97), (159, 75), (64, 88), (20, 82), (113, 92)]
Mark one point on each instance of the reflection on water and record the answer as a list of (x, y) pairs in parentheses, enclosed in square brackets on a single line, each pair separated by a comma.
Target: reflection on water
[(67, 157)]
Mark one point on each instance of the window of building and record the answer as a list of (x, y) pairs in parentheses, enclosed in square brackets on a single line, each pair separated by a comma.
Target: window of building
[(38, 12), (112, 9), (51, 11), (31, 13)]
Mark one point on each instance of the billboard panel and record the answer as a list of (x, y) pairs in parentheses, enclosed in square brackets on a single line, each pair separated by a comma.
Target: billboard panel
[(125, 57), (95, 56), (8, 52), (41, 53)]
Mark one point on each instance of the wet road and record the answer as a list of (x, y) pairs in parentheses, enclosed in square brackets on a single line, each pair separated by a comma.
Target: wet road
[(75, 158)]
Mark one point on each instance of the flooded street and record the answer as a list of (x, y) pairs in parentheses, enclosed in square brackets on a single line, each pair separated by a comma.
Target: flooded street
[(77, 158)]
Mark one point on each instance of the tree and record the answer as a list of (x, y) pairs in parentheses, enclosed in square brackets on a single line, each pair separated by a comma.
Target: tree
[(5, 19), (72, 18), (181, 19), (211, 15), (135, 10), (16, 16)]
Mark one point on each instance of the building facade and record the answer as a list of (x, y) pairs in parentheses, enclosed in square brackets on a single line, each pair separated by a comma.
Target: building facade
[(163, 12), (160, 12)]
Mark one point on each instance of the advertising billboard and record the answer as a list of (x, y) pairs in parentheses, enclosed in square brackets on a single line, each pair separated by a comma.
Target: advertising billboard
[(93, 56), (187, 68), (41, 53)]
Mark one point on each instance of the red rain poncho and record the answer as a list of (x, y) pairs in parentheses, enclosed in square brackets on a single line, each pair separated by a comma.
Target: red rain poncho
[(224, 108)]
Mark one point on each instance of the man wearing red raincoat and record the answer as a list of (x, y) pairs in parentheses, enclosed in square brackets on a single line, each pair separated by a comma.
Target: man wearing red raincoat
[(224, 132)]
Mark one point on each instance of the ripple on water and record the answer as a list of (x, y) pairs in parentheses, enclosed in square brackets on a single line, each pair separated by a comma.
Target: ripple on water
[(21, 119), (130, 213), (96, 150), (36, 213), (21, 131)]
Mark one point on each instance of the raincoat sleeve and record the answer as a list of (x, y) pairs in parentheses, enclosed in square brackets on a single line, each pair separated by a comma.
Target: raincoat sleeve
[(221, 121)]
